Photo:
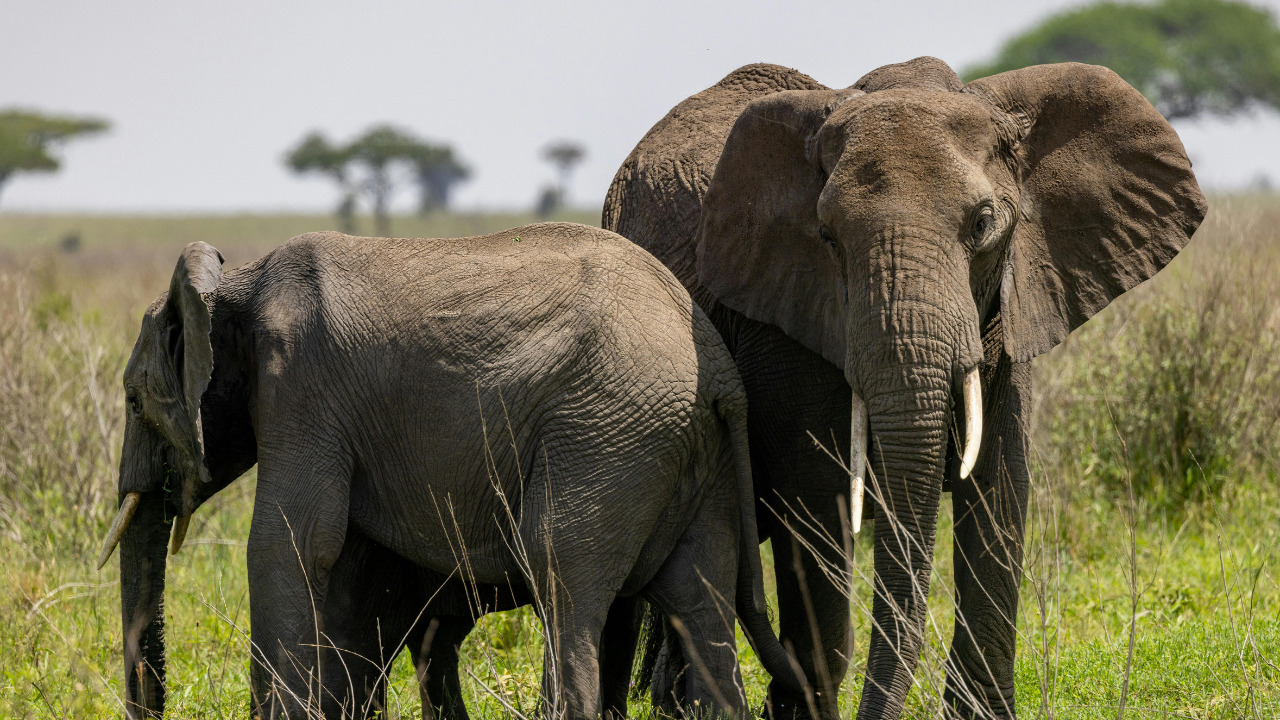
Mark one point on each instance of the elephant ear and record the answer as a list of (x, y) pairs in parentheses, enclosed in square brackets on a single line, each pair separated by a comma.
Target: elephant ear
[(1108, 197), (759, 251), (187, 323)]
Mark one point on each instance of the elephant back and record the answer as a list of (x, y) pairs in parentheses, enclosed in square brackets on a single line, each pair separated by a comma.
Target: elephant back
[(656, 197)]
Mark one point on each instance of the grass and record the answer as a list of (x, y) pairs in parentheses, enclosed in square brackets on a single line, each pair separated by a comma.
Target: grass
[(1187, 560)]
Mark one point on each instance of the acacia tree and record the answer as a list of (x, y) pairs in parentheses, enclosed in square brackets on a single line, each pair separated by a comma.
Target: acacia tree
[(315, 154), (374, 164), (564, 155), (437, 171), (27, 139), (1188, 57)]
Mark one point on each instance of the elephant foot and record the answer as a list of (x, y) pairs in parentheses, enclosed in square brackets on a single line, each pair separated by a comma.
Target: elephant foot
[(970, 704), (784, 704)]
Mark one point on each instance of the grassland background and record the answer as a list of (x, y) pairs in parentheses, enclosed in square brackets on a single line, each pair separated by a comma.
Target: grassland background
[(1173, 392)]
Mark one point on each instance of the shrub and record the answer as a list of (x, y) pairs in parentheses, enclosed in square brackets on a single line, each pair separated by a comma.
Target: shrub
[(1176, 387)]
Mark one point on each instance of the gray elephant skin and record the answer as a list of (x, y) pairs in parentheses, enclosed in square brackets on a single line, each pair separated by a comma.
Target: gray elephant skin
[(883, 262), (543, 409)]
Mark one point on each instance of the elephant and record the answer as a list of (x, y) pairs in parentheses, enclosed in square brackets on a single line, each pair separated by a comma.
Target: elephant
[(543, 409), (883, 262), (380, 604)]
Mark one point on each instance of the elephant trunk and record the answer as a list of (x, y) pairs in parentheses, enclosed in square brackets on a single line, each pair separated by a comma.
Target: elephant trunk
[(913, 334), (908, 453), (143, 535)]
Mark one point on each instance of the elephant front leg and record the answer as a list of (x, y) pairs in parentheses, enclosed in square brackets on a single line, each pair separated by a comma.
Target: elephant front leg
[(295, 540), (814, 622), (990, 522)]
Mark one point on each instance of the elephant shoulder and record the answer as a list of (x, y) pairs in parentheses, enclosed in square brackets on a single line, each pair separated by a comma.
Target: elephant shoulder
[(656, 196)]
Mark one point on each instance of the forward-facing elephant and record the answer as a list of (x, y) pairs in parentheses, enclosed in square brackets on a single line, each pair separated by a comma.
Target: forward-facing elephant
[(883, 262), (543, 408)]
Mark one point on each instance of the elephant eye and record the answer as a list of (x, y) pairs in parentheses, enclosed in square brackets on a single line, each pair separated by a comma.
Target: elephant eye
[(134, 402), (982, 224), (827, 238)]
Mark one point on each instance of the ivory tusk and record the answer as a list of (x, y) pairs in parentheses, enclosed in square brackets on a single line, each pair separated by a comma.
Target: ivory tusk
[(180, 525), (118, 526), (857, 461), (972, 422)]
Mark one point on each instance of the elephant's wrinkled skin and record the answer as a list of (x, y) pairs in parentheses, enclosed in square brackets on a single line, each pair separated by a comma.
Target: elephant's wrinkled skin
[(543, 408), (884, 241)]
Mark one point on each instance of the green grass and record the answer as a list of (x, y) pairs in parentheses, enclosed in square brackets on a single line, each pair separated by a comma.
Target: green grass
[(1207, 626)]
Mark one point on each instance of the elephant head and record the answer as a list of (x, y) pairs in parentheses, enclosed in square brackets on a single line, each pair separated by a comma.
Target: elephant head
[(901, 226), (163, 472)]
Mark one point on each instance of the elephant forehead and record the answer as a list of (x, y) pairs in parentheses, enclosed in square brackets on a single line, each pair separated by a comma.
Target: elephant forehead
[(912, 123)]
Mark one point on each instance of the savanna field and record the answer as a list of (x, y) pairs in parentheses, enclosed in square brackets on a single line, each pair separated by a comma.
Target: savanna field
[(1152, 572)]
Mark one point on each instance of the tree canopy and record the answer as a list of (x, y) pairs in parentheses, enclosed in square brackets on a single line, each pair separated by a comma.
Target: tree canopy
[(1188, 57), (374, 164), (27, 140)]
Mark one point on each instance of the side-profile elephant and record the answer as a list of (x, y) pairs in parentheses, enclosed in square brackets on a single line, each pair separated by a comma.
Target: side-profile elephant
[(883, 262), (543, 408)]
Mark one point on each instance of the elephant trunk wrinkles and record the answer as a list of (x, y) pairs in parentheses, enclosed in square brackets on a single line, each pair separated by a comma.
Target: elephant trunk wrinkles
[(911, 339), (908, 453), (142, 577)]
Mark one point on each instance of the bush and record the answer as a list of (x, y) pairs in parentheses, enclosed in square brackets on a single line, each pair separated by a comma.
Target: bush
[(1176, 387)]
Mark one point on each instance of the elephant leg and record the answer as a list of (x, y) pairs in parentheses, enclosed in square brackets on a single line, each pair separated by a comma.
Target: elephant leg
[(666, 684), (617, 654), (366, 615), (696, 588), (434, 645), (571, 657), (791, 393), (295, 540), (990, 522), (813, 621), (572, 593)]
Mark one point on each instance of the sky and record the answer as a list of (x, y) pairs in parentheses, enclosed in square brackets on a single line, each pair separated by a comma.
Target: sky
[(206, 98)]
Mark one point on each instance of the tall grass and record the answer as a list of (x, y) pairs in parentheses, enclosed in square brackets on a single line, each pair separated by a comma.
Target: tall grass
[(1185, 370), (1153, 535)]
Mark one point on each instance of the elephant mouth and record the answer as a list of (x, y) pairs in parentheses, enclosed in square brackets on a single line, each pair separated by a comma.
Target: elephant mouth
[(859, 436)]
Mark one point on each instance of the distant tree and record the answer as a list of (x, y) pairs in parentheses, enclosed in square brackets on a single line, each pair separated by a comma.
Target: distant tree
[(436, 171), (27, 139), (548, 201), (1188, 57), (564, 155), (315, 154), (374, 165)]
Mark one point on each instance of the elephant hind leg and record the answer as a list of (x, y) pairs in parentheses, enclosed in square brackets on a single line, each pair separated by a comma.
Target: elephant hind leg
[(434, 645), (696, 589), (617, 655)]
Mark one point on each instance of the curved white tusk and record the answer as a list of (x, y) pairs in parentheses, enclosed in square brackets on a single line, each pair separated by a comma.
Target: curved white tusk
[(972, 422), (180, 525), (118, 526), (857, 461)]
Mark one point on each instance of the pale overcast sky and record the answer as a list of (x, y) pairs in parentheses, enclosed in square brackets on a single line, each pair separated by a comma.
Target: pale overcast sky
[(206, 97)]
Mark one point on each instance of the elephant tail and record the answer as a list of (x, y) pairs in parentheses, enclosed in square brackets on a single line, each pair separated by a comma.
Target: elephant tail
[(752, 607)]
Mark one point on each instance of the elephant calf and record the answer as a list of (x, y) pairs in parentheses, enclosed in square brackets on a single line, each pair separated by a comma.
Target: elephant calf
[(543, 407)]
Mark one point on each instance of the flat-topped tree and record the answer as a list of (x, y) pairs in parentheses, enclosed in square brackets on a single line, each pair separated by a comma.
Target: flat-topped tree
[(1188, 57), (28, 138), (374, 164)]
